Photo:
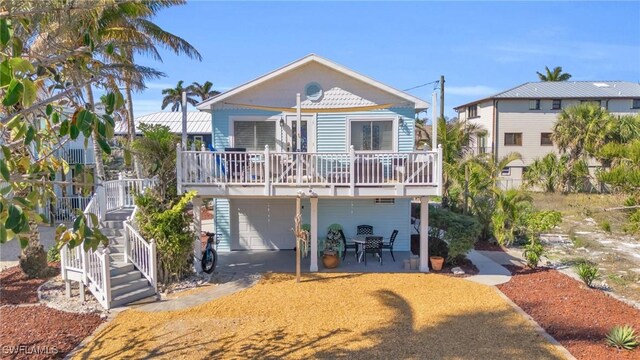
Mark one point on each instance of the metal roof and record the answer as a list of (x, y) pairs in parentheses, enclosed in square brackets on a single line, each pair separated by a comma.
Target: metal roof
[(198, 122), (568, 90)]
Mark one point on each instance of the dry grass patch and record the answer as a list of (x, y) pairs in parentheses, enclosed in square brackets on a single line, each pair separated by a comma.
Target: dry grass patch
[(359, 316)]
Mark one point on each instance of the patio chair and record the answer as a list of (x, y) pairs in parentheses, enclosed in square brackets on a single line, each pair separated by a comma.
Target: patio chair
[(389, 246), (365, 230), (353, 246), (373, 244)]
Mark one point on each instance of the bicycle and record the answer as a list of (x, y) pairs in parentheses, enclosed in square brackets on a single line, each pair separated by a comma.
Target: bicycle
[(209, 255)]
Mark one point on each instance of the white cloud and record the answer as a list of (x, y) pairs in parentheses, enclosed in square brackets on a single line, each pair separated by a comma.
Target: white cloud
[(474, 90)]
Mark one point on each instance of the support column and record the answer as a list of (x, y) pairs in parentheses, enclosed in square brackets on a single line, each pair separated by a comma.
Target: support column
[(424, 234), (314, 234), (197, 227)]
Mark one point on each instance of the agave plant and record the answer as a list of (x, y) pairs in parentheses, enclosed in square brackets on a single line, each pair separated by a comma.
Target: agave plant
[(622, 337)]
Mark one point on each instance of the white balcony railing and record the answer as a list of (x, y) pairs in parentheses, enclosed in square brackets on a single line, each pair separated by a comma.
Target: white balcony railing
[(305, 169), (77, 155)]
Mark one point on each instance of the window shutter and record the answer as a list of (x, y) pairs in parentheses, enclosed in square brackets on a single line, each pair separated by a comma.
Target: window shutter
[(243, 134), (265, 134)]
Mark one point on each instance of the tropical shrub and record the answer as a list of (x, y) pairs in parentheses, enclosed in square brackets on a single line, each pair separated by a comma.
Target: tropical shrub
[(533, 252), (53, 255), (169, 224), (438, 247), (509, 218), (460, 232), (156, 152), (622, 337), (587, 273)]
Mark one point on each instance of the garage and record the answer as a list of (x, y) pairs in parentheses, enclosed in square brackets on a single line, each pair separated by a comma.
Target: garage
[(262, 224)]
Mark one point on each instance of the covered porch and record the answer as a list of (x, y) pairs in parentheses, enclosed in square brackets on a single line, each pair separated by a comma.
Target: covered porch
[(284, 261)]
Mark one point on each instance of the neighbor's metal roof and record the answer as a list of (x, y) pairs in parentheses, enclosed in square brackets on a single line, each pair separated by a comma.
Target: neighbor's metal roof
[(198, 122), (568, 90)]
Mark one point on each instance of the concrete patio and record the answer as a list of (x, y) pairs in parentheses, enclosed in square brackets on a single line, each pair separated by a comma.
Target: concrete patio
[(284, 261)]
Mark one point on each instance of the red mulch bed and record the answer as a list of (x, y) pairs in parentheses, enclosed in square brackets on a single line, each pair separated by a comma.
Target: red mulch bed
[(40, 332), (16, 288), (575, 315), (487, 246), (36, 331)]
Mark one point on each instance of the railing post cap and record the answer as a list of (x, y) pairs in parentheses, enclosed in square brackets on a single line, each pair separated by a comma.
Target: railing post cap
[(152, 241), (106, 250), (266, 147)]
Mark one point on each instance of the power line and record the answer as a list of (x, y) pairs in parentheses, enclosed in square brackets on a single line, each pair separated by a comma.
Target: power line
[(435, 86)]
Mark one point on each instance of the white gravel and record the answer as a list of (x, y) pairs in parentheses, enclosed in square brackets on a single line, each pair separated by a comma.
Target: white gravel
[(52, 293)]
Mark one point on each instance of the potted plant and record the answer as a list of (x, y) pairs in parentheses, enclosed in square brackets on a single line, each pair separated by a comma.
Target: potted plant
[(438, 252), (332, 247)]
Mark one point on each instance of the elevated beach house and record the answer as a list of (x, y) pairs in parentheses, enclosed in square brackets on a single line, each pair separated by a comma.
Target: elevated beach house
[(315, 129)]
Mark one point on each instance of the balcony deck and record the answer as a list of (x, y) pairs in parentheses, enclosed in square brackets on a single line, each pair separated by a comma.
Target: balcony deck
[(285, 174)]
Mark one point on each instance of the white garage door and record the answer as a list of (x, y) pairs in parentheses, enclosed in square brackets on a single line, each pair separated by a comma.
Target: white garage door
[(263, 225)]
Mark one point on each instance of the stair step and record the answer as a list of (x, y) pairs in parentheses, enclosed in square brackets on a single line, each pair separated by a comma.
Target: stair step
[(116, 249), (118, 269), (132, 296), (129, 287), (108, 232), (116, 258), (120, 215), (125, 278), (114, 224)]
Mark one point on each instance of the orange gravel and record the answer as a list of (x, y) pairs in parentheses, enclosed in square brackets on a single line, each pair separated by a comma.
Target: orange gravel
[(361, 316)]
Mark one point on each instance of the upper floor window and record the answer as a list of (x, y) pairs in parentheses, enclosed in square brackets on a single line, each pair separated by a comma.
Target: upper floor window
[(513, 139), (534, 104), (472, 111), (557, 104), (506, 171), (545, 139), (636, 104), (254, 135), (372, 135)]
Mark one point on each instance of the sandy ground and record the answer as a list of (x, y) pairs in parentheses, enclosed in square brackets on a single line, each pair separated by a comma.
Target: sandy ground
[(360, 316)]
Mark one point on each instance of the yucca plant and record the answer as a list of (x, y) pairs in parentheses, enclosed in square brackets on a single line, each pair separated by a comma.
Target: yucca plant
[(622, 337), (587, 272)]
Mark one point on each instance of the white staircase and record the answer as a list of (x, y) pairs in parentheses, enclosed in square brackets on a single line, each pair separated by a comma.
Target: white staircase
[(128, 284), (125, 271)]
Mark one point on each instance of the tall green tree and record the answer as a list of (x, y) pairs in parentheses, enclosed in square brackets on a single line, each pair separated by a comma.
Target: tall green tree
[(173, 97), (203, 91), (553, 75), (579, 132), (547, 172)]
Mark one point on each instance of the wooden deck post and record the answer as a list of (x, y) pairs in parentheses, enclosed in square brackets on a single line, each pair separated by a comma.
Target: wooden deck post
[(298, 217), (179, 168), (197, 227), (352, 171), (267, 171), (424, 234), (121, 191), (314, 234)]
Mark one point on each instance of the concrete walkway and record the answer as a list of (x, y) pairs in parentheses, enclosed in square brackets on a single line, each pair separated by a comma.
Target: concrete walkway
[(489, 271), (236, 283)]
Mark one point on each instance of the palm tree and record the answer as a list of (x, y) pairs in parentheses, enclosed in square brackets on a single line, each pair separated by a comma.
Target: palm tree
[(579, 132), (173, 97), (510, 207), (546, 172), (204, 91), (553, 75)]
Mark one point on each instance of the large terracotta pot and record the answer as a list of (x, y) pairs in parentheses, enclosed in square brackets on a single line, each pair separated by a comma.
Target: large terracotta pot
[(330, 260), (436, 262)]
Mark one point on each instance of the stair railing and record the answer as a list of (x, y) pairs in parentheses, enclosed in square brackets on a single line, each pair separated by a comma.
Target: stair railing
[(138, 251), (90, 268)]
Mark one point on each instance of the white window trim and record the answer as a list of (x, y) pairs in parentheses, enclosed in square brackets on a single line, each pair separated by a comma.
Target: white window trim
[(508, 172), (384, 201), (394, 125), (198, 138), (233, 119)]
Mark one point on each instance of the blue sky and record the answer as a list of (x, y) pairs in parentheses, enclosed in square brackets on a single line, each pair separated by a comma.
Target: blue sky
[(480, 47)]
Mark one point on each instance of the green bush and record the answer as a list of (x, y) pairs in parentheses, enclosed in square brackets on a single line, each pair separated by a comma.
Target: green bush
[(622, 337), (53, 255), (438, 247), (587, 272), (460, 231), (533, 252), (606, 226), (170, 226)]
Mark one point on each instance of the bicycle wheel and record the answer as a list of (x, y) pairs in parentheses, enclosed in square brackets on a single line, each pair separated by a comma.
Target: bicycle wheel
[(209, 259)]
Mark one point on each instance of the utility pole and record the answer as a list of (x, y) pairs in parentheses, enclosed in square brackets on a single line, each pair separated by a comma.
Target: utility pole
[(442, 96), (184, 120)]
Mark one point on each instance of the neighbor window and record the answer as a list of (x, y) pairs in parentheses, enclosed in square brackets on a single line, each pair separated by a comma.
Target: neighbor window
[(636, 104), (372, 135), (254, 135), (545, 139), (557, 104), (472, 111), (514, 139), (387, 201), (534, 104), (506, 171)]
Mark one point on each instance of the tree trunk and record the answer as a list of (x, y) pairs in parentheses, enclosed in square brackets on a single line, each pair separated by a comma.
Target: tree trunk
[(96, 147), (131, 126)]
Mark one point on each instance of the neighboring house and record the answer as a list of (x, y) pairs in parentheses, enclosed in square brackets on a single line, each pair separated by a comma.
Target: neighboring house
[(523, 117), (198, 124), (353, 159)]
